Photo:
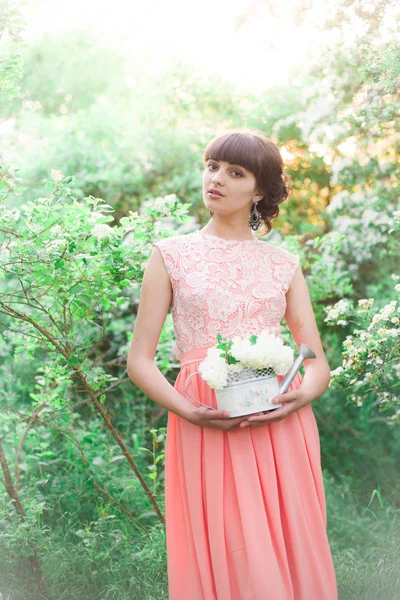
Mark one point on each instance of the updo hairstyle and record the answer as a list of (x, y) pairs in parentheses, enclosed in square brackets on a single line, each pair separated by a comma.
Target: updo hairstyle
[(259, 155)]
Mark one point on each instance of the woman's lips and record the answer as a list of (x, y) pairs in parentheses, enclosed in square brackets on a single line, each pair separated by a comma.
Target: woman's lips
[(215, 194)]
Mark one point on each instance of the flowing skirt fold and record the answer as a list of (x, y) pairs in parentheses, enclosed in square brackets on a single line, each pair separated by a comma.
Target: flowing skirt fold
[(245, 510)]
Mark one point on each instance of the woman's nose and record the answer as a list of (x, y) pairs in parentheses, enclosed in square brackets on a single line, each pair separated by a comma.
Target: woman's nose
[(217, 178)]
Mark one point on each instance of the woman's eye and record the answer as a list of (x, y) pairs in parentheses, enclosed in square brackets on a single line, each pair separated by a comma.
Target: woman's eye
[(213, 167)]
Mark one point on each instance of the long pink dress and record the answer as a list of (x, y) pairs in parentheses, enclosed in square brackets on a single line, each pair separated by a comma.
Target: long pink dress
[(245, 510)]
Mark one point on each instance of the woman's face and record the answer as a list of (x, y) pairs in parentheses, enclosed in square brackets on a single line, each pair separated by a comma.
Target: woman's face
[(235, 187)]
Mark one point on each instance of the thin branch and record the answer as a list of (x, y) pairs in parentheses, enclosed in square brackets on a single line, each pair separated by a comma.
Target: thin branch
[(120, 442), (113, 385), (100, 488), (22, 317), (21, 443), (11, 232), (157, 417), (24, 333), (13, 494)]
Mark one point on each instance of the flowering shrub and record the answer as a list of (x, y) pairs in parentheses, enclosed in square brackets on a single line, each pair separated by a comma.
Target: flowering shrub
[(371, 356), (366, 221), (67, 278), (263, 351)]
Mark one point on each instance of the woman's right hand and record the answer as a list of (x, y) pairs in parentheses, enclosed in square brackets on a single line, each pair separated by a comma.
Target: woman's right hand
[(214, 419)]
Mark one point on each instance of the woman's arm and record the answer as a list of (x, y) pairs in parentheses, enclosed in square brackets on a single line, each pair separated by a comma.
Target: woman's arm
[(155, 300), (300, 318)]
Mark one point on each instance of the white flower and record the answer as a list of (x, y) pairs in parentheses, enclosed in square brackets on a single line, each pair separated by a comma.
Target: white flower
[(56, 243), (213, 369), (397, 287), (283, 361), (56, 174), (215, 375), (365, 303), (340, 308), (235, 368), (101, 230), (267, 352), (241, 349), (337, 371)]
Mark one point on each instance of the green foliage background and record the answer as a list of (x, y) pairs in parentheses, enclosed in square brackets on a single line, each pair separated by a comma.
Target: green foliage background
[(91, 173)]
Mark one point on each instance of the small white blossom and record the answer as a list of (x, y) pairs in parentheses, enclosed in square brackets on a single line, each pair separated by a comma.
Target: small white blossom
[(56, 174), (340, 308), (337, 371), (235, 368), (56, 243), (101, 230), (365, 303), (364, 335)]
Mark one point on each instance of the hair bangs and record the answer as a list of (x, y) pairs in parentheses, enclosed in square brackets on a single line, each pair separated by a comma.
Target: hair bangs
[(236, 148)]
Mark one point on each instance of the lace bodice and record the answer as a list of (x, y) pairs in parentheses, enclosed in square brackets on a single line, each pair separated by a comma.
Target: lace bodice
[(224, 286)]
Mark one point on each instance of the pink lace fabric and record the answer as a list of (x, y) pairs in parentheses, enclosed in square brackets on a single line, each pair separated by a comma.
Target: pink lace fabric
[(225, 287)]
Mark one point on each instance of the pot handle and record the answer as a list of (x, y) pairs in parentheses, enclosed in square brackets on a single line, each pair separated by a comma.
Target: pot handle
[(190, 395)]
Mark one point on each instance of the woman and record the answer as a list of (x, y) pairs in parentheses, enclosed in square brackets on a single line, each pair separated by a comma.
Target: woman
[(245, 505)]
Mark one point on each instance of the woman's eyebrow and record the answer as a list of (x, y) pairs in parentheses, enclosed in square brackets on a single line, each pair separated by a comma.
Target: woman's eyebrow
[(231, 164), (238, 166)]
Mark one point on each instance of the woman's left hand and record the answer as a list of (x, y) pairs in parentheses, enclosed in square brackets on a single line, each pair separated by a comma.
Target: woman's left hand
[(291, 401)]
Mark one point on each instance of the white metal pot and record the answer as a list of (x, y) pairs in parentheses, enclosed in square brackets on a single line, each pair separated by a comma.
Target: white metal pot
[(252, 390)]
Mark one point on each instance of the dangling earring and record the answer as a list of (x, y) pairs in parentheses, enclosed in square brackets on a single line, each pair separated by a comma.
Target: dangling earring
[(255, 219)]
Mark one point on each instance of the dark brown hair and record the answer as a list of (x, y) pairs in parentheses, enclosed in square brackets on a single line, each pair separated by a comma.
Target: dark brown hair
[(259, 155)]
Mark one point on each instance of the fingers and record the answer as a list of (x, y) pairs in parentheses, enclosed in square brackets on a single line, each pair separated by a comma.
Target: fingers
[(209, 413), (261, 419), (277, 413), (224, 424), (287, 397)]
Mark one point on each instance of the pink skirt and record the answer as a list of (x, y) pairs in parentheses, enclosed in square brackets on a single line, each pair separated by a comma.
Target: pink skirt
[(245, 510)]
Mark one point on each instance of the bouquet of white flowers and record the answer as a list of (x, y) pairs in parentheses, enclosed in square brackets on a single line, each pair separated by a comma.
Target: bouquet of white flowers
[(243, 372), (264, 352)]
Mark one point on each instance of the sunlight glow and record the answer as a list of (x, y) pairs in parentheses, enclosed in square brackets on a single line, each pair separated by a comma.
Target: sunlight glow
[(241, 43)]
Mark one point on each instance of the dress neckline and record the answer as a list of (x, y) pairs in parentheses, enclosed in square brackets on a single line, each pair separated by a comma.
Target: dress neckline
[(215, 237)]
